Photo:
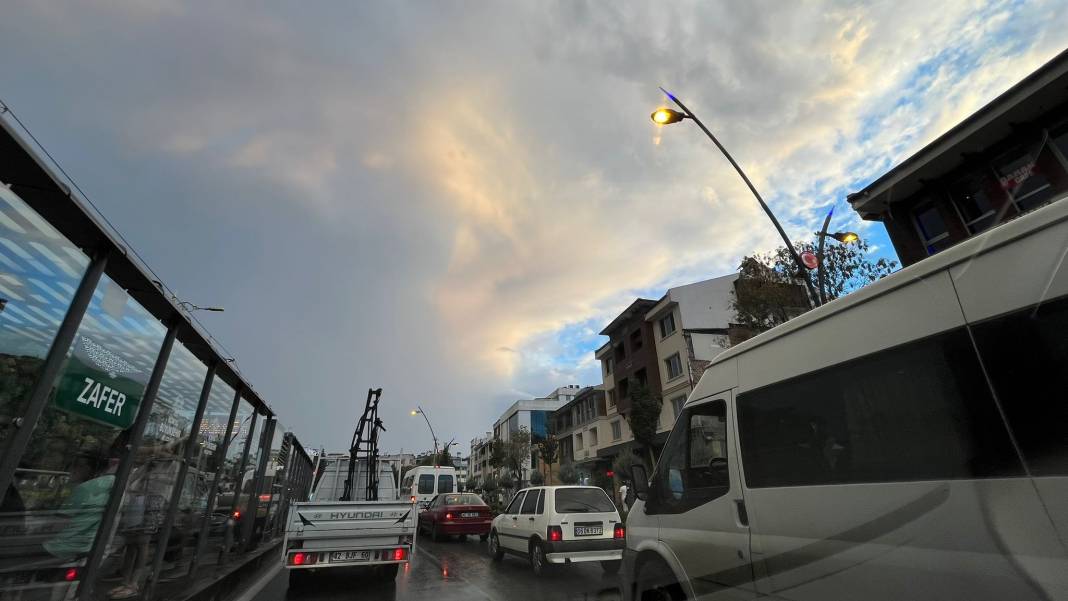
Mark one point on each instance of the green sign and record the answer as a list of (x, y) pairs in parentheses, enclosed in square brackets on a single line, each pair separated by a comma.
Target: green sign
[(99, 385)]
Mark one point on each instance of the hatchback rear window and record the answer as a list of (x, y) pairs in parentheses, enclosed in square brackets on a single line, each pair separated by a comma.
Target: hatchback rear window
[(583, 500)]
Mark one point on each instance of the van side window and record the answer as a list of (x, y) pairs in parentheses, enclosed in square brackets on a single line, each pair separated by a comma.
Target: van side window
[(517, 500), (920, 411), (1026, 355), (541, 502), (693, 467), (426, 484)]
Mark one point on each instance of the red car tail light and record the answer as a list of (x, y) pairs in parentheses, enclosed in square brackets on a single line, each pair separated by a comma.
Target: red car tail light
[(554, 533), (619, 531), (71, 574), (400, 554), (448, 516)]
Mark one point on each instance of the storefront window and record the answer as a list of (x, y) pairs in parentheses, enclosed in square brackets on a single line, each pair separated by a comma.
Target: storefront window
[(65, 476), (39, 271), (976, 198), (152, 480), (1031, 179)]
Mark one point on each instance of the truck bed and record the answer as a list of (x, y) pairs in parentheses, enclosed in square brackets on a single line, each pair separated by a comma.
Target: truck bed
[(348, 533)]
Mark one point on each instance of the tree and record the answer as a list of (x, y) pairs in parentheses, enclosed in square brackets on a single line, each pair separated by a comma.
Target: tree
[(490, 484), (474, 483), (769, 293), (568, 475), (517, 452), (404, 470), (497, 454), (643, 418), (506, 482), (622, 464), (547, 450), (536, 479)]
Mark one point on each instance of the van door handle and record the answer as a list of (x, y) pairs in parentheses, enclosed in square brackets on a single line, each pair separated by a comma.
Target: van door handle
[(531, 519), (743, 515)]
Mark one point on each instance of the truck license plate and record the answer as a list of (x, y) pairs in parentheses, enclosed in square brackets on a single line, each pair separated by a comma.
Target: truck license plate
[(588, 530), (469, 514), (350, 556)]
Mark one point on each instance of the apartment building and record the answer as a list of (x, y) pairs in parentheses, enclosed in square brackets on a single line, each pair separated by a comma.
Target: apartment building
[(583, 427)]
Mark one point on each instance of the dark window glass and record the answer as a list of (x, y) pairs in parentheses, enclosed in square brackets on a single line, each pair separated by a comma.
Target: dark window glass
[(517, 500), (445, 483), (921, 411), (667, 325), (932, 228), (1024, 177), (530, 504), (674, 366), (539, 428), (635, 340), (974, 198), (620, 352), (583, 500), (693, 467), (426, 484), (541, 502), (1026, 355)]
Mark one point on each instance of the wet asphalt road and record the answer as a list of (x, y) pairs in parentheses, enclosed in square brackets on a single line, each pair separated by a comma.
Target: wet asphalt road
[(454, 570)]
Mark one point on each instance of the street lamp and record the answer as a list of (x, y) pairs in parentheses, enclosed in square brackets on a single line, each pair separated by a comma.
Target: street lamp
[(188, 306), (843, 237), (666, 116), (419, 411)]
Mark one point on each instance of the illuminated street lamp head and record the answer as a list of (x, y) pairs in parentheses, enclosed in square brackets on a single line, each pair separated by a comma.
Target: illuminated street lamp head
[(665, 116), (845, 237), (415, 412)]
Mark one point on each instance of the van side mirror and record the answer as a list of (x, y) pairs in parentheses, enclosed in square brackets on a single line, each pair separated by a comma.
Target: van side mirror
[(641, 481)]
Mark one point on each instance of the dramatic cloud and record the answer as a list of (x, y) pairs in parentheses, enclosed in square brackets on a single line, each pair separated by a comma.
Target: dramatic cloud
[(450, 202)]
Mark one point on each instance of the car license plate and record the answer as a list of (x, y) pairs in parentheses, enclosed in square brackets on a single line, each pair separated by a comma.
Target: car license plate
[(469, 514), (350, 556), (588, 530)]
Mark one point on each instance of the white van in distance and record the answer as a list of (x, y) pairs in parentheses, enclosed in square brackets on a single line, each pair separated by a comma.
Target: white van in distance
[(423, 482), (907, 441)]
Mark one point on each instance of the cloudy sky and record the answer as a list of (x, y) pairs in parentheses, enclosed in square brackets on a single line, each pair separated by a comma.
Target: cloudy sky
[(449, 199)]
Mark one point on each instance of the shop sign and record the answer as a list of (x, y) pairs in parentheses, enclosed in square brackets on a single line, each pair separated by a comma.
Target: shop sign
[(98, 385), (1014, 178)]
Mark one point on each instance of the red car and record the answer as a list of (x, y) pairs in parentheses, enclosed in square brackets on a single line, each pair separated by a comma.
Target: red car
[(456, 513)]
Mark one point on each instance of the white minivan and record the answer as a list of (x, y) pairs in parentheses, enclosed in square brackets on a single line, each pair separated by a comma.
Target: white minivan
[(423, 482), (907, 441)]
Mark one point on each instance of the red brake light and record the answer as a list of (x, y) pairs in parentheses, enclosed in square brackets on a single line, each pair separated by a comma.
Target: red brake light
[(265, 497), (237, 514), (400, 554), (448, 516), (298, 559), (555, 533), (71, 575), (413, 498), (619, 531)]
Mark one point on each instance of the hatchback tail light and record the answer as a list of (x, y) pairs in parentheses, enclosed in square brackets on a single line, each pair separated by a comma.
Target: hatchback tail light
[(619, 531), (555, 533)]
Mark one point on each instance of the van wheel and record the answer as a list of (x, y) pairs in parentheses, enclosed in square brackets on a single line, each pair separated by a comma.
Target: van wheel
[(495, 550), (538, 561), (657, 583), (611, 567)]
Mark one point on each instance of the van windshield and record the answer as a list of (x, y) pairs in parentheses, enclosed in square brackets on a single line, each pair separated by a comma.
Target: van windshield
[(583, 500)]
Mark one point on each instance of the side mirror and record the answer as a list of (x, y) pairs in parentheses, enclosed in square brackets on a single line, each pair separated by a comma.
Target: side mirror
[(641, 481)]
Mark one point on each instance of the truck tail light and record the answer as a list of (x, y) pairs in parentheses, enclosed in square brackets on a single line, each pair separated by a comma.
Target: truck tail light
[(619, 531), (303, 559), (400, 554), (555, 533)]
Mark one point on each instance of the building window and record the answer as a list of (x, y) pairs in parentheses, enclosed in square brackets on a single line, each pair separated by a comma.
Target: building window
[(624, 388), (667, 325), (608, 365), (674, 366), (578, 440), (973, 197), (677, 403), (635, 340), (642, 378), (620, 352), (932, 228), (611, 398), (1030, 179), (617, 430)]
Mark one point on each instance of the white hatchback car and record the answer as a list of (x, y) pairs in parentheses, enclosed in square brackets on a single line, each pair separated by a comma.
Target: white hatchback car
[(560, 524)]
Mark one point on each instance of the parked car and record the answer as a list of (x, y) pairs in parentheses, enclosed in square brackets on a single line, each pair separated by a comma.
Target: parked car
[(458, 514), (558, 525)]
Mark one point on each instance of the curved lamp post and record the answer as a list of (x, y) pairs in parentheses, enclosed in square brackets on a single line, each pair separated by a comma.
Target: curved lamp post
[(419, 411), (666, 116), (843, 237)]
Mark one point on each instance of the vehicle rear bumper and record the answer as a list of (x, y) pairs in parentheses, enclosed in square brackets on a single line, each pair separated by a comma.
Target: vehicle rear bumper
[(465, 528), (605, 549)]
